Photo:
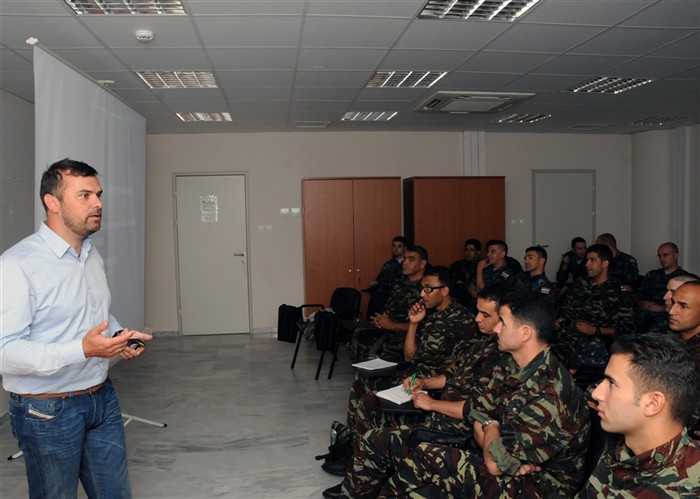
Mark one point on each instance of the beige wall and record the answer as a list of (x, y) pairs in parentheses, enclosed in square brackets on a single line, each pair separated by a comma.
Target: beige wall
[(515, 155), (275, 164)]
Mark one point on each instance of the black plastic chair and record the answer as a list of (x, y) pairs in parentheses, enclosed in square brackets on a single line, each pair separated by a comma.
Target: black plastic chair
[(300, 329)]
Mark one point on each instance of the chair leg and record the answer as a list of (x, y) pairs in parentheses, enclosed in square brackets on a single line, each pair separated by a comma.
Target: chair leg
[(335, 357), (320, 362), (296, 350)]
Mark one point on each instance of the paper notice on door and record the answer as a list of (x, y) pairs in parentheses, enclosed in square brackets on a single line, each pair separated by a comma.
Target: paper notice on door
[(209, 207)]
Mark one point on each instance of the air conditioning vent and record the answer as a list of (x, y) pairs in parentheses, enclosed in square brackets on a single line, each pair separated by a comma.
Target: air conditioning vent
[(471, 102)]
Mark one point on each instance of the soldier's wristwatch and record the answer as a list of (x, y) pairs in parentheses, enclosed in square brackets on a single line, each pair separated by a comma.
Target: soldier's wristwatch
[(488, 422)]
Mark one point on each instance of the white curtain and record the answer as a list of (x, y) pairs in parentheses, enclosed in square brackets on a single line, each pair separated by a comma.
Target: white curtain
[(77, 118)]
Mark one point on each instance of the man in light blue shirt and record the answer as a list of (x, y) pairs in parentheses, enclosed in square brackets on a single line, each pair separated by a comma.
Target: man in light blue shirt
[(56, 339)]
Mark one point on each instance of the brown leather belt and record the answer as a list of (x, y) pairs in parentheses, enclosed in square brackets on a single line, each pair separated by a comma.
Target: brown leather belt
[(63, 395)]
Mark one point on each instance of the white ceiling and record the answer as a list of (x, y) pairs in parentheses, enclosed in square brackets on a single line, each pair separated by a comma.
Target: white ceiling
[(279, 62)]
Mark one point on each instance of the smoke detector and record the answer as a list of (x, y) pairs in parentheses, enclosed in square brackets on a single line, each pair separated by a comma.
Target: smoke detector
[(144, 35)]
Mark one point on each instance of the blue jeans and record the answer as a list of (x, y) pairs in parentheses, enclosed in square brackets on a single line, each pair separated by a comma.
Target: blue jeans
[(66, 439)]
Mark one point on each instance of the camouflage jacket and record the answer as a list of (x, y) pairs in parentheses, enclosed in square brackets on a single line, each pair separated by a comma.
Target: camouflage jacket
[(440, 338), (694, 346), (506, 274), (653, 286), (463, 271), (624, 269), (390, 274), (601, 305), (404, 295), (543, 419), (574, 268), (538, 284), (670, 470)]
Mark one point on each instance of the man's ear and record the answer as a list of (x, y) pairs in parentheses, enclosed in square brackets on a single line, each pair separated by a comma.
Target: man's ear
[(653, 403), (51, 202)]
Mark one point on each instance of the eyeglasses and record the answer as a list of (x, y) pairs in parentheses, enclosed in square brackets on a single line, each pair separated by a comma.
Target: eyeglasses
[(429, 289)]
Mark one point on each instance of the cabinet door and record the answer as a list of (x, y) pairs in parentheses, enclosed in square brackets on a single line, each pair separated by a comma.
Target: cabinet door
[(483, 209), (377, 220), (328, 237)]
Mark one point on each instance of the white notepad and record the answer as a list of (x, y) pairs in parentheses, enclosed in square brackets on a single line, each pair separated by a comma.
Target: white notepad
[(397, 394), (374, 365)]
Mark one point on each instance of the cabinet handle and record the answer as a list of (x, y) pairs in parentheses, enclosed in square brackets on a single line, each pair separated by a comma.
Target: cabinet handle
[(239, 254)]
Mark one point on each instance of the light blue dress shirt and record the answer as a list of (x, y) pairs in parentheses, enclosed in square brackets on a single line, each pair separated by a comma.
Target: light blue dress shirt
[(51, 297)]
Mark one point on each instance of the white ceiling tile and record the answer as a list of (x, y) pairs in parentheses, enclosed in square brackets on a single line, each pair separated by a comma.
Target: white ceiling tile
[(353, 32), (253, 58), (429, 60), (165, 59), (459, 80), (390, 95), (607, 12), (581, 64), (258, 93), (120, 31), (671, 14), (380, 8), (13, 61), (324, 93), (504, 62), (629, 41), (322, 78), (239, 7), (340, 58), (449, 34), (91, 59), (52, 32), (280, 106), (190, 94), (688, 47), (10, 81), (122, 79), (267, 78), (35, 7), (530, 83), (546, 38), (249, 31), (645, 67)]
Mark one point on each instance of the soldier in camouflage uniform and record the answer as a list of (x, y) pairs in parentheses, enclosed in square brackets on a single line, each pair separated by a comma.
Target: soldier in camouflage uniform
[(497, 267), (573, 263), (624, 267), (684, 320), (530, 423), (464, 273), (534, 279), (390, 273), (594, 309), (386, 331), (650, 388), (439, 332), (649, 310)]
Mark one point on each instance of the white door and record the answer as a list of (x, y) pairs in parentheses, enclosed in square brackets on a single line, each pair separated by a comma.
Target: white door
[(211, 228), (563, 208)]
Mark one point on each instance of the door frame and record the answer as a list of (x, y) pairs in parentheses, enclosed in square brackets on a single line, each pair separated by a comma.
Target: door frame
[(175, 176)]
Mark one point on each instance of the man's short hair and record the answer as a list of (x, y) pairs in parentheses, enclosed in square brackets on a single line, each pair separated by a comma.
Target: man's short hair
[(541, 252), (52, 178), (685, 278), (400, 239), (474, 242), (674, 246), (422, 252), (607, 238), (662, 362), (577, 240), (494, 292), (533, 309), (602, 250), (499, 243), (444, 276)]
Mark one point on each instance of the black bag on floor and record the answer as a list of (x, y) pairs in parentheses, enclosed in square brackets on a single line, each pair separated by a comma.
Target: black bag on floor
[(288, 319)]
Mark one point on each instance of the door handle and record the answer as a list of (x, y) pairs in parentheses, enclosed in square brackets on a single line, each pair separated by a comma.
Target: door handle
[(239, 254)]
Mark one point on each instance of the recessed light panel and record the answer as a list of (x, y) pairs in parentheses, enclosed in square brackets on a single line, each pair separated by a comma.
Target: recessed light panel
[(405, 79), (659, 120), (369, 115), (189, 117), (128, 7), (486, 10), (178, 79), (311, 124), (609, 85), (524, 118)]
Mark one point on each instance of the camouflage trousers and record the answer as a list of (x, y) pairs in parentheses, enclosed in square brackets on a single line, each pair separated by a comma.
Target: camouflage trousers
[(364, 411)]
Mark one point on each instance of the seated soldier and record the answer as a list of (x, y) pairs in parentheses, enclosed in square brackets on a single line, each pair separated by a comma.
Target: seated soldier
[(385, 332), (459, 387), (623, 267), (440, 331), (573, 263), (497, 266), (390, 273), (464, 272), (649, 310), (673, 284), (649, 392), (530, 423), (534, 278), (593, 309)]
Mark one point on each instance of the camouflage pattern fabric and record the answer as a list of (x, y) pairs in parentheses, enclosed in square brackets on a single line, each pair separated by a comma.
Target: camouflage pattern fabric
[(670, 470), (543, 420), (441, 338), (601, 305), (573, 268), (538, 284), (390, 273), (694, 346), (506, 274), (624, 269)]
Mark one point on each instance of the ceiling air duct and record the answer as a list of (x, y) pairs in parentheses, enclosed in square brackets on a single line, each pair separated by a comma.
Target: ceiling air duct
[(461, 102)]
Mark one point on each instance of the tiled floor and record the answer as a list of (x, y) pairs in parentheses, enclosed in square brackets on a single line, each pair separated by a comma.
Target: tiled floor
[(241, 423)]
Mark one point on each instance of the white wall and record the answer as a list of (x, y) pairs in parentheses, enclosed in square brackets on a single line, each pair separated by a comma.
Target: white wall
[(515, 155), (16, 177)]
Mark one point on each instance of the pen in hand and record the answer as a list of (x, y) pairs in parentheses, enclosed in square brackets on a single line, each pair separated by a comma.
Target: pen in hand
[(410, 386)]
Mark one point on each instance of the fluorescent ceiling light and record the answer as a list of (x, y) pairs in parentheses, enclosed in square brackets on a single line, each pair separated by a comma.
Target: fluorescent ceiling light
[(486, 10), (129, 7), (609, 85), (659, 120), (178, 79), (524, 118), (188, 117), (405, 79), (311, 124), (369, 115)]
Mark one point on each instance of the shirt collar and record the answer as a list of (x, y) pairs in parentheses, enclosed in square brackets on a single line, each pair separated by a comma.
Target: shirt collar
[(58, 245)]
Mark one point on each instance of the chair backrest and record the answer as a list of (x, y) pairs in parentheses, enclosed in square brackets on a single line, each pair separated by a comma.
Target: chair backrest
[(345, 302)]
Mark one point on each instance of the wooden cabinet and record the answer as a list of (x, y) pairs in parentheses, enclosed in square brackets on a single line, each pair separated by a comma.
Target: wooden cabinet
[(440, 213), (348, 227)]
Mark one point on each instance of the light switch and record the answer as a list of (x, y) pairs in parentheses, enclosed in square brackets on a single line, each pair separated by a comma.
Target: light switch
[(296, 212), (284, 212)]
